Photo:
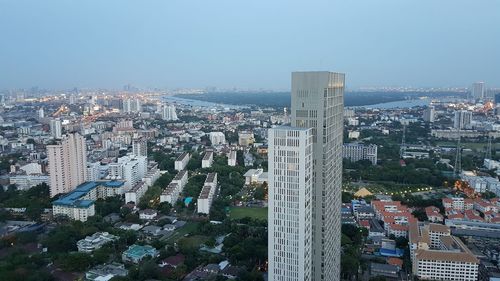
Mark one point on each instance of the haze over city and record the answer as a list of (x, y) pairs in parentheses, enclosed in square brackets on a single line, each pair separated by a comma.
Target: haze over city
[(249, 140), (247, 44)]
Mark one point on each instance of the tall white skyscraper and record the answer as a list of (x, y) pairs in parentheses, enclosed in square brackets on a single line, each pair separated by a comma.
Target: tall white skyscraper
[(317, 103), (67, 164), (168, 112), (56, 128), (290, 204), (478, 90)]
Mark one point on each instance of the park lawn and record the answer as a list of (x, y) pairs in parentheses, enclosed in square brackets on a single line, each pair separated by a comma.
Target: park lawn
[(188, 228), (471, 145), (242, 212)]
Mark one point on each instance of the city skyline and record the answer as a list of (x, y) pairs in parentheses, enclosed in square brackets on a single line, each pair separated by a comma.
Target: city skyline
[(156, 45)]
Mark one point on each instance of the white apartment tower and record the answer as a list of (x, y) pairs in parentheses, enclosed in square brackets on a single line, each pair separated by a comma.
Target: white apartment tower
[(132, 105), (462, 120), (168, 113), (67, 164), (56, 128), (140, 147), (317, 103), (429, 114), (290, 204), (478, 90)]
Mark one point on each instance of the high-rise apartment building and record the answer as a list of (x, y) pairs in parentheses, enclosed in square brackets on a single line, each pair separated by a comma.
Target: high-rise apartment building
[(168, 113), (317, 103), (67, 164), (478, 90), (132, 105), (290, 204), (140, 147), (462, 120), (56, 128), (429, 114)]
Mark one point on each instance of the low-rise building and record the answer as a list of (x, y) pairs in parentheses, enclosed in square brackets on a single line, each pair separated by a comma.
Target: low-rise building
[(437, 255), (172, 192), (257, 176), (135, 194), (207, 194), (25, 182), (208, 159), (94, 241), (182, 161), (106, 272), (79, 203), (147, 214), (136, 253)]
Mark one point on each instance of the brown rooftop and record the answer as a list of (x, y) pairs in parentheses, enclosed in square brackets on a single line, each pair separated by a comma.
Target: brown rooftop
[(446, 256)]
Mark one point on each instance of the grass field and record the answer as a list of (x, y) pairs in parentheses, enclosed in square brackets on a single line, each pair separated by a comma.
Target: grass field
[(242, 212), (186, 229), (470, 145)]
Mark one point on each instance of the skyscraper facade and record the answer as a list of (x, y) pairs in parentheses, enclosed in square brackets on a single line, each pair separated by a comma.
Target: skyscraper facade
[(317, 103), (67, 164), (290, 204)]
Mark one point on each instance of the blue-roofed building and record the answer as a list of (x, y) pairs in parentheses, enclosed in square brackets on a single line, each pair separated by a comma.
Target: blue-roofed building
[(79, 203), (136, 253)]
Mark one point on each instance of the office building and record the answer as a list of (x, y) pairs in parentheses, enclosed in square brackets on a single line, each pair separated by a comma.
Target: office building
[(56, 128), (67, 164), (478, 90), (290, 204), (168, 113), (140, 147), (462, 120), (358, 151), (429, 114), (317, 103)]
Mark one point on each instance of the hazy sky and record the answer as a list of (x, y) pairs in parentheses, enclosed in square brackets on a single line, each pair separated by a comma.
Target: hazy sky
[(247, 44)]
